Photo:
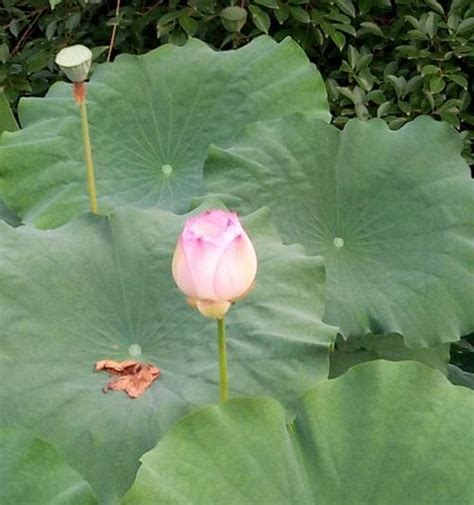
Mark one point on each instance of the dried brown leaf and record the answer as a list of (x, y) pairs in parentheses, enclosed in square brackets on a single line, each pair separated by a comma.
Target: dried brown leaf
[(132, 376)]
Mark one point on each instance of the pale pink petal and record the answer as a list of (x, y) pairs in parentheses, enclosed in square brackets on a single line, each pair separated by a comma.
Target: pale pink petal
[(236, 270), (181, 272), (209, 224), (216, 226), (202, 258)]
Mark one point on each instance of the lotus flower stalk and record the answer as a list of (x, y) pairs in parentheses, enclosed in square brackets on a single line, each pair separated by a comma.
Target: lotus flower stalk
[(75, 62)]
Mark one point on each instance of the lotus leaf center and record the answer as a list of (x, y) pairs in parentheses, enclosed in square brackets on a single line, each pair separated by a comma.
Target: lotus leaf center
[(167, 169), (338, 242), (135, 350)]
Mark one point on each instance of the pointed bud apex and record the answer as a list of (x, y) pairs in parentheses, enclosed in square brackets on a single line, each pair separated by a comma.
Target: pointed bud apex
[(75, 62), (215, 310)]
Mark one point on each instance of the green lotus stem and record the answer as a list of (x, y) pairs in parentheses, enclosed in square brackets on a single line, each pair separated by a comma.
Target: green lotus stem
[(222, 359), (86, 139)]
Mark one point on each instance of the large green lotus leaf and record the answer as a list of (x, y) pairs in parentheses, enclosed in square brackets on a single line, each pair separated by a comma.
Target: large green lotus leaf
[(33, 473), (7, 215), (152, 118), (392, 212), (101, 288), (390, 347), (384, 433)]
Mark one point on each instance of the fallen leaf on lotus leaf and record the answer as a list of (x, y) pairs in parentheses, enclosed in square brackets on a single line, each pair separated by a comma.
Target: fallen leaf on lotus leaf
[(132, 376)]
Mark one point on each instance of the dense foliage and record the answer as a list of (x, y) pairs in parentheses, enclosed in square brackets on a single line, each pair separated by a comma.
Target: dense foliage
[(393, 59)]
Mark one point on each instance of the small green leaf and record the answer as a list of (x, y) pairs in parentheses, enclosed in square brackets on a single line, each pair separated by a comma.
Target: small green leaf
[(364, 60), (377, 96), (189, 25), (331, 86), (397, 123), (453, 21), (417, 35), (260, 18), (369, 27), (51, 29), (430, 98), (14, 28), (163, 30), (300, 14), (390, 68), (384, 109), (429, 24), (169, 17), (463, 51), (361, 111), (365, 79), (413, 21), (347, 7), (437, 84), (465, 100), (73, 21), (405, 107), (347, 92), (335, 15), (451, 105), (398, 83), (415, 82), (54, 3), (271, 4), (409, 52), (430, 69), (465, 26), (282, 13), (4, 52), (177, 37), (339, 39), (7, 119), (450, 118), (346, 28), (436, 6), (353, 56), (318, 36), (37, 61), (458, 79), (359, 95), (345, 67)]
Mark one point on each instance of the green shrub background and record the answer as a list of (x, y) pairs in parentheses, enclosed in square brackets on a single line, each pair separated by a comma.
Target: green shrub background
[(393, 59)]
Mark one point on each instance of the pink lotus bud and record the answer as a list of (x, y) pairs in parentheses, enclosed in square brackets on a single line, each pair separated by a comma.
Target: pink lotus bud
[(214, 262)]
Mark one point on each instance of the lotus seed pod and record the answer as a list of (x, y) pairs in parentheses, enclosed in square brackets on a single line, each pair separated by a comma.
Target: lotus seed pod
[(75, 62), (233, 18)]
